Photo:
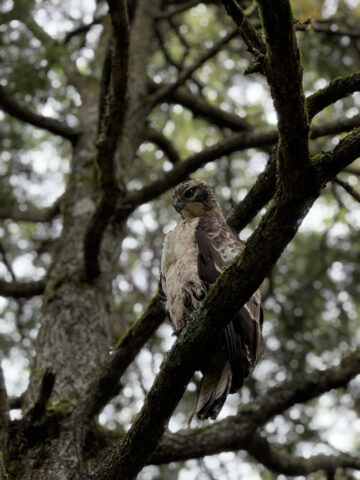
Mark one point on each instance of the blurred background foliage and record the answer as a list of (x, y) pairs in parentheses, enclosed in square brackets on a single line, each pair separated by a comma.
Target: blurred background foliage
[(311, 299)]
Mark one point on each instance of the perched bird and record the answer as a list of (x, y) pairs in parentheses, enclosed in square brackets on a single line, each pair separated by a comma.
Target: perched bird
[(195, 253)]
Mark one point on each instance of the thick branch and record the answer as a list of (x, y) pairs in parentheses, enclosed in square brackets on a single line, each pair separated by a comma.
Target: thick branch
[(112, 122), (284, 74), (329, 27), (10, 106), (21, 289)]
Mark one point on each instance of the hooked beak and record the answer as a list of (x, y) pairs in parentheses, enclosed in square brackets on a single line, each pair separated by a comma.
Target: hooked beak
[(178, 206)]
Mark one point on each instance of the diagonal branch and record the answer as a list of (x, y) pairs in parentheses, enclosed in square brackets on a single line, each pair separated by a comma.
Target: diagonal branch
[(201, 108), (10, 106), (166, 90), (154, 136), (329, 164), (337, 89), (348, 188), (278, 461)]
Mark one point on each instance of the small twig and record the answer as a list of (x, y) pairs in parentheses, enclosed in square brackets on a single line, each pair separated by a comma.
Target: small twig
[(81, 29), (7, 263), (187, 72), (347, 188)]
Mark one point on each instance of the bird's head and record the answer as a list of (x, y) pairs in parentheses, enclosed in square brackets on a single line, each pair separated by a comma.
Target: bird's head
[(194, 198)]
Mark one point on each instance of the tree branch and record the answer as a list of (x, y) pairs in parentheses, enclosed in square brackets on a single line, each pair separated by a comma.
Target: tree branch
[(328, 164), (334, 128), (81, 29), (112, 122), (166, 90), (21, 289), (252, 39), (199, 107), (337, 89), (348, 188), (258, 196), (284, 74), (10, 106), (153, 136), (278, 461)]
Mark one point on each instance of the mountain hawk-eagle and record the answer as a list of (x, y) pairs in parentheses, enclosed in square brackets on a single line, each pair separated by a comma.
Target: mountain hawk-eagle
[(195, 253)]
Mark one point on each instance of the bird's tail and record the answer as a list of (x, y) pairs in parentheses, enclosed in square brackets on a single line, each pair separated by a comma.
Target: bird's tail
[(214, 388)]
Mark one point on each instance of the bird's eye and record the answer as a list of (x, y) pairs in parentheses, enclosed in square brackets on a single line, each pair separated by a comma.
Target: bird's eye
[(189, 193)]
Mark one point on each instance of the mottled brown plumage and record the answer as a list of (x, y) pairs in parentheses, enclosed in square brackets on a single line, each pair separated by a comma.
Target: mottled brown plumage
[(195, 253)]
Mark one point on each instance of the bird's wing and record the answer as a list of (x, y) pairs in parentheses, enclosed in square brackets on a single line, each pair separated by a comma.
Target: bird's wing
[(218, 246)]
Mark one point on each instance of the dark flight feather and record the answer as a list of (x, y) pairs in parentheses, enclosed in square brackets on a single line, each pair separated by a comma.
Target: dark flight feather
[(243, 339)]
